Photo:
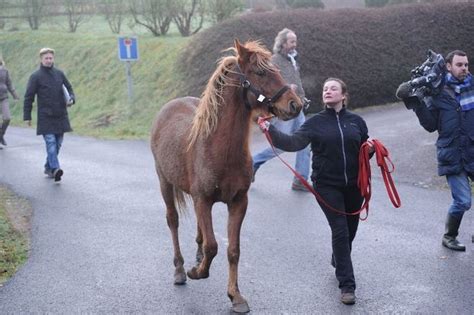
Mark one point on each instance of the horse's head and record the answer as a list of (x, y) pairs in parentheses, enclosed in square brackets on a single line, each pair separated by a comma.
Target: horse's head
[(263, 87)]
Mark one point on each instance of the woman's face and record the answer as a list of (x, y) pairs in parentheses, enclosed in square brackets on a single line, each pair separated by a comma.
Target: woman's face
[(332, 94)]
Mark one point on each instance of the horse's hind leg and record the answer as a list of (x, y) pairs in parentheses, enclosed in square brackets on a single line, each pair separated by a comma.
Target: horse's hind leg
[(237, 210), (173, 223)]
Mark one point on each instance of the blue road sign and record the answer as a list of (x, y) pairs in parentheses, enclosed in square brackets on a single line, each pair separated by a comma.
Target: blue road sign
[(128, 48)]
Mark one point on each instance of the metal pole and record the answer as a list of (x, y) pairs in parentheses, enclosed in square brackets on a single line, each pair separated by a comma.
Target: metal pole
[(129, 81)]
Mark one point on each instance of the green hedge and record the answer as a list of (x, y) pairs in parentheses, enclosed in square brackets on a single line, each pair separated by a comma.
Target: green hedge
[(373, 50)]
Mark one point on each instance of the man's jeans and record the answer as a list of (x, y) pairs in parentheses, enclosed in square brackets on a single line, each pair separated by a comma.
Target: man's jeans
[(302, 157), (461, 193), (53, 144)]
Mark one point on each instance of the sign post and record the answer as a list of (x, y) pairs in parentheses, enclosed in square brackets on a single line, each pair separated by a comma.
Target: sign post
[(128, 51)]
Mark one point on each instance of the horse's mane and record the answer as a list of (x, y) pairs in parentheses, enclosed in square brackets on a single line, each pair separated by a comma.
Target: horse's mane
[(206, 118)]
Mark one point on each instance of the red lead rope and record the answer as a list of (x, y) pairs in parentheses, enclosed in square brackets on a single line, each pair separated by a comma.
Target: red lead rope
[(364, 178)]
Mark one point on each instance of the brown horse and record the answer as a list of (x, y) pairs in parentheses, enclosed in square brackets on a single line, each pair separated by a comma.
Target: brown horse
[(201, 148)]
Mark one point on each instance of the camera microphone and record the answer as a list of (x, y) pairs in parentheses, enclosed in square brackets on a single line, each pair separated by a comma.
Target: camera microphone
[(404, 90)]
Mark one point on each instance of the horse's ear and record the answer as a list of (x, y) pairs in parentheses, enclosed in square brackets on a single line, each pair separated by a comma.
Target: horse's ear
[(242, 52)]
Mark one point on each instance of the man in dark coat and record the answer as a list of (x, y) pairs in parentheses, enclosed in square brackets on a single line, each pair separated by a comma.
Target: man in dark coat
[(51, 87), (451, 113)]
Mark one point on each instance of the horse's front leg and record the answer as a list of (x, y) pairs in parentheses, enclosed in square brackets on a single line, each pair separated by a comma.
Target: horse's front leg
[(237, 210), (199, 240), (203, 209)]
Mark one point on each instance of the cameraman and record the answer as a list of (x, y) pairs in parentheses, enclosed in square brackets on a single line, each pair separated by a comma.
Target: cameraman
[(451, 113)]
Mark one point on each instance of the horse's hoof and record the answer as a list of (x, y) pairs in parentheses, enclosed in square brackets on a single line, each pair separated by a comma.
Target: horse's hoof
[(179, 278), (194, 274), (242, 307)]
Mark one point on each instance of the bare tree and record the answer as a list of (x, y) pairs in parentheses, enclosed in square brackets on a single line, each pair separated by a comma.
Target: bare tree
[(34, 11), (220, 10), (152, 14), (77, 12), (115, 12), (184, 14)]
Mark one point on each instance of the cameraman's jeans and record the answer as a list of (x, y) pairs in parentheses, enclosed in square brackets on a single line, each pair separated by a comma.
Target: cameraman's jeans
[(461, 193), (53, 144), (302, 157)]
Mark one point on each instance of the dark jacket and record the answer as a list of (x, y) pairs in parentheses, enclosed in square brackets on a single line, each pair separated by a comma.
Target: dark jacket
[(46, 83), (455, 144), (335, 140), (6, 84)]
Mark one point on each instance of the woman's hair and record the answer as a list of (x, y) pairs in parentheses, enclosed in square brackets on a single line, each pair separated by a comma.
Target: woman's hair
[(281, 39), (343, 89)]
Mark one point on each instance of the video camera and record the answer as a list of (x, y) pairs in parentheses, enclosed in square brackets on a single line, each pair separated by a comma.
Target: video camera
[(426, 80)]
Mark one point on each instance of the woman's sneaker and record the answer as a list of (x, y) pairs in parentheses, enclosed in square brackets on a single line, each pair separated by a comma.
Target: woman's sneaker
[(348, 298)]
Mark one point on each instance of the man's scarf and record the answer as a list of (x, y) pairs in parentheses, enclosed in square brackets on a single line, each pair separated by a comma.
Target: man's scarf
[(292, 57), (464, 91)]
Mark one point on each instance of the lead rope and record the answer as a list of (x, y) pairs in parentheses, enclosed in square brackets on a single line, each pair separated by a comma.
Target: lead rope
[(364, 177)]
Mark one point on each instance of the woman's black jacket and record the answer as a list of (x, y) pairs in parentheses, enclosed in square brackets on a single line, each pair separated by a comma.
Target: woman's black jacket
[(335, 140)]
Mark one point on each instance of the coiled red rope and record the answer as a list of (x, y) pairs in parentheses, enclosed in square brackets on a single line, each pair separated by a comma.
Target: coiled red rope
[(364, 178)]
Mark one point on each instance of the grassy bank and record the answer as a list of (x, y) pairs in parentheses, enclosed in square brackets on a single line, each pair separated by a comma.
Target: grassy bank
[(15, 215), (90, 60)]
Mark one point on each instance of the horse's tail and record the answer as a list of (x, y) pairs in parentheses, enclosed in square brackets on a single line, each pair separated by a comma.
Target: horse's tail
[(179, 200)]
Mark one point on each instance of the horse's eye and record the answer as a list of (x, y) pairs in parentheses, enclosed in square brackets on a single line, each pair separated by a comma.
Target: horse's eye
[(260, 72)]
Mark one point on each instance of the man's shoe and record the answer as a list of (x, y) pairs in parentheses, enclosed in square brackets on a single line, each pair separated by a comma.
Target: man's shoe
[(2, 141), (253, 174), (49, 173), (297, 185), (348, 298), (453, 244), (57, 174)]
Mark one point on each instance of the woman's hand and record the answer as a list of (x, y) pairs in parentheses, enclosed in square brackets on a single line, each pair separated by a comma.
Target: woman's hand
[(263, 123)]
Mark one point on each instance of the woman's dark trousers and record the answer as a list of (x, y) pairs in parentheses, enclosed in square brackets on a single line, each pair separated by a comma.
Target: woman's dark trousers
[(343, 228)]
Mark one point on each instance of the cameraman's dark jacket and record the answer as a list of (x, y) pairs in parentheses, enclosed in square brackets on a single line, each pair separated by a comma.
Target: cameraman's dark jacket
[(47, 83), (335, 140), (455, 144)]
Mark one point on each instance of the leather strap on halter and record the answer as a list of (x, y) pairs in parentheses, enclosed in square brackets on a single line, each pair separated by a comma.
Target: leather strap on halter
[(247, 86)]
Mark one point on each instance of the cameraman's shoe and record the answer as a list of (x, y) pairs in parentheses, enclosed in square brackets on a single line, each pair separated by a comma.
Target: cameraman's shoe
[(449, 237)]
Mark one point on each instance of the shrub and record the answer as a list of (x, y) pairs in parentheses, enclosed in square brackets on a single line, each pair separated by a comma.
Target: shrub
[(372, 50)]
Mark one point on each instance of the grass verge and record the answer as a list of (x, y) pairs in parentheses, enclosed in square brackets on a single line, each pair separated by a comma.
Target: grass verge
[(15, 214)]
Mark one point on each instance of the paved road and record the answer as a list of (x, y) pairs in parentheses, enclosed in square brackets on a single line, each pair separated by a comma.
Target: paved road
[(100, 243)]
